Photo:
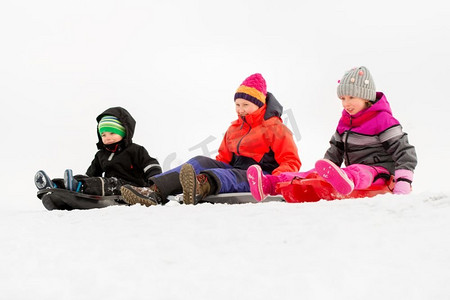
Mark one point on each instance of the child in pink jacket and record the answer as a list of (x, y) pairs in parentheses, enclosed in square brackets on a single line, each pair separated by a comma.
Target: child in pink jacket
[(368, 139)]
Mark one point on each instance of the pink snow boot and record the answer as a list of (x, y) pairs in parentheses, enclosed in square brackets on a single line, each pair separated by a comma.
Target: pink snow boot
[(334, 176), (260, 185)]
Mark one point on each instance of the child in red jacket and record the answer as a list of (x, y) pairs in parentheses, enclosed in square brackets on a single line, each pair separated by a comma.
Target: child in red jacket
[(258, 136)]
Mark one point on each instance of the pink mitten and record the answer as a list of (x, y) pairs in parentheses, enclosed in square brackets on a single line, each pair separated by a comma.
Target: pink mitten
[(403, 180)]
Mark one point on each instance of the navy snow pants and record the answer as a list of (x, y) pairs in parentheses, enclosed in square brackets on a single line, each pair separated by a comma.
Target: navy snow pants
[(227, 178)]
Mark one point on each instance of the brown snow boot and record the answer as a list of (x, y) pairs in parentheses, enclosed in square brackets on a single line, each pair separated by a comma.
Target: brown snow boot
[(143, 195), (195, 187)]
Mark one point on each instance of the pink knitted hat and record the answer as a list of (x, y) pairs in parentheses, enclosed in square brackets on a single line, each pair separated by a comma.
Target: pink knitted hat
[(253, 89)]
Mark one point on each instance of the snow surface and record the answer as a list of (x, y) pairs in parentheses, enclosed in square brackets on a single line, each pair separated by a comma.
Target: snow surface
[(175, 66)]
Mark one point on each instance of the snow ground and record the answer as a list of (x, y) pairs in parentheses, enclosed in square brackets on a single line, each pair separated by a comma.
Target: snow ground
[(388, 247)]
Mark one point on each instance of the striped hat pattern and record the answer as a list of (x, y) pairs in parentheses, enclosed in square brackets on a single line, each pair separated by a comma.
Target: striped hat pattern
[(253, 89), (357, 82), (111, 124)]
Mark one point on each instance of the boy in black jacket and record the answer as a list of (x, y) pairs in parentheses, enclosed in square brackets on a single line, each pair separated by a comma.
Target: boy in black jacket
[(119, 161)]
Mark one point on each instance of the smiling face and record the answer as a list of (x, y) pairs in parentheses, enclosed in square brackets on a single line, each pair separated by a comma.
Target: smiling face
[(244, 107), (109, 138), (353, 105)]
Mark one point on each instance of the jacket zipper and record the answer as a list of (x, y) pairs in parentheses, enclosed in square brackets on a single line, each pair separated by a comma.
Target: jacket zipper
[(239, 143), (346, 141)]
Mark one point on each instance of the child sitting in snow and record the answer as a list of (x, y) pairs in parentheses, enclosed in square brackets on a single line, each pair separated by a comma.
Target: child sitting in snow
[(258, 136), (118, 161), (368, 139)]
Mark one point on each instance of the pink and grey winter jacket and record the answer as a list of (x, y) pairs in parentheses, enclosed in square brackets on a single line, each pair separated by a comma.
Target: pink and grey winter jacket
[(372, 137)]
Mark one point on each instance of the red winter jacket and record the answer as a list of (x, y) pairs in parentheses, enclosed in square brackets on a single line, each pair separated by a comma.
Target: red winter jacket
[(261, 138)]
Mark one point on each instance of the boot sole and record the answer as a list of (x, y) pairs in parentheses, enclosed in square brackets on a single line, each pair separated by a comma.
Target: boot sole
[(131, 197), (335, 176), (47, 182), (69, 182), (188, 182)]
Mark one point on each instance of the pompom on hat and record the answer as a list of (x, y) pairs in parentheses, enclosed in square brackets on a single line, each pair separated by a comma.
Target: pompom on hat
[(357, 82), (253, 89), (111, 124)]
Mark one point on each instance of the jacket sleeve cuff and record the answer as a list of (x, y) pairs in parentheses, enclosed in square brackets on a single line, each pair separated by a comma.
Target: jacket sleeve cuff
[(403, 175)]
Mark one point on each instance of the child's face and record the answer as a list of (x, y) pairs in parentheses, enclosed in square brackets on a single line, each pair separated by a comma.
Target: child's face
[(109, 138), (244, 107), (353, 105)]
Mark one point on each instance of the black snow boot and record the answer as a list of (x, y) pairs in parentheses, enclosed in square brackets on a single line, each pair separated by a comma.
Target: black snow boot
[(42, 181), (71, 183)]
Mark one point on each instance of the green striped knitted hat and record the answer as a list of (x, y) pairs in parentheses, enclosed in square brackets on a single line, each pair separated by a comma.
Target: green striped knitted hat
[(111, 124)]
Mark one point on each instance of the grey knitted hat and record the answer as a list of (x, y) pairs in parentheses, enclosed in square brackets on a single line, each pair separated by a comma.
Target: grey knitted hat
[(357, 83)]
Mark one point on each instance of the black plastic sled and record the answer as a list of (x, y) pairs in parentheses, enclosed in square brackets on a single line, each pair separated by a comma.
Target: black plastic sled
[(61, 199)]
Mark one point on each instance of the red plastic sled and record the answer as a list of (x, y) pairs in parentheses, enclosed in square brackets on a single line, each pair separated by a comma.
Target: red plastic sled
[(314, 188)]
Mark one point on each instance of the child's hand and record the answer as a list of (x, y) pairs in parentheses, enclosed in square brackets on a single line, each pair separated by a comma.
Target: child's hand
[(403, 179)]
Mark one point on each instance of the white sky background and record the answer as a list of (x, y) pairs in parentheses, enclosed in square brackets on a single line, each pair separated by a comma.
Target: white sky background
[(175, 65)]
